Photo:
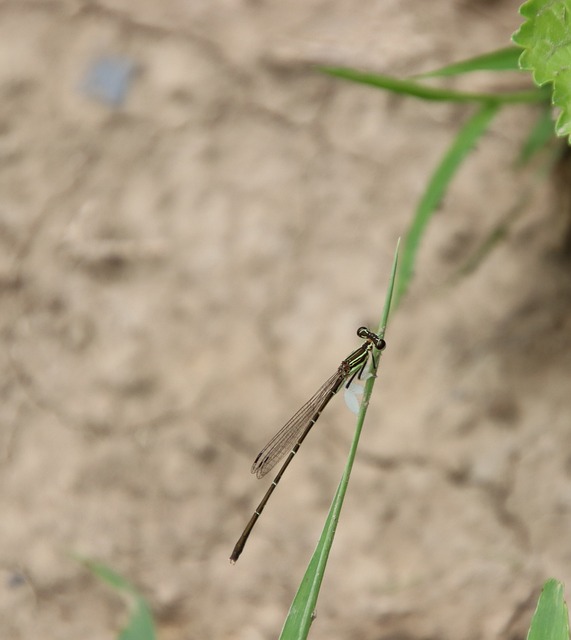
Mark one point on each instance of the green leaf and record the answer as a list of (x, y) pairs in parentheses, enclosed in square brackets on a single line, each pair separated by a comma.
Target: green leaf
[(302, 610), (545, 37), (551, 619), (418, 90), (463, 143), (140, 625), (539, 137), (500, 60)]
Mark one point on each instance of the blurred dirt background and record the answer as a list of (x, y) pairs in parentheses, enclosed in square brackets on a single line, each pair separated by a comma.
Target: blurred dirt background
[(184, 261)]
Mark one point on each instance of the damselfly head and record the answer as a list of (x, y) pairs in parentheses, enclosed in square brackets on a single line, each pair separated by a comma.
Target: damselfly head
[(373, 338)]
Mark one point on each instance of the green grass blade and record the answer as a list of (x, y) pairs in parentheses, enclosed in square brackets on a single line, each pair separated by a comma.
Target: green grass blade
[(463, 143), (301, 613), (498, 233), (539, 137), (503, 227), (140, 625), (501, 60), (551, 619), (389, 297), (411, 88)]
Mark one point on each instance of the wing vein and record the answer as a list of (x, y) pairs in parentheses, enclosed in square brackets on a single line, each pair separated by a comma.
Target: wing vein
[(286, 438)]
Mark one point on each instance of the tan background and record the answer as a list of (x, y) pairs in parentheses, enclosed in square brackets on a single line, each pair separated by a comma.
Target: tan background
[(179, 275)]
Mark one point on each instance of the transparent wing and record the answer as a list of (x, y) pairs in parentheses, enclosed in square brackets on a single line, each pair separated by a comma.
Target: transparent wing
[(289, 434)]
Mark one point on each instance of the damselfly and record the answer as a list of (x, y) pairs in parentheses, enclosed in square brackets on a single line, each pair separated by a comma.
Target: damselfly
[(293, 433)]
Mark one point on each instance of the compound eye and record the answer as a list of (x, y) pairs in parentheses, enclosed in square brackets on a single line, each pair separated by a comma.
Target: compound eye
[(380, 344), (363, 332)]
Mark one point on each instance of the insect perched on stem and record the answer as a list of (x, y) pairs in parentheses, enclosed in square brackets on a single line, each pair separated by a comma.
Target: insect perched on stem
[(293, 433)]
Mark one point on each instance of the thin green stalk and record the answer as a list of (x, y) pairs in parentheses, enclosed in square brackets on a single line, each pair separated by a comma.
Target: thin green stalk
[(463, 143), (301, 613), (408, 87), (506, 59)]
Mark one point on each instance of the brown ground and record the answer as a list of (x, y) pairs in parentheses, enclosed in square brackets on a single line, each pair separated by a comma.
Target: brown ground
[(180, 274)]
